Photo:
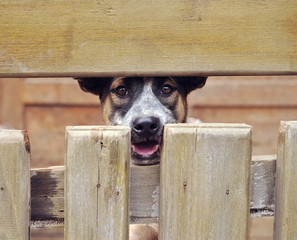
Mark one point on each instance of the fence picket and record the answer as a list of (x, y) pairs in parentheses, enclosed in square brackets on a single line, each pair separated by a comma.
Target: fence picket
[(205, 174), (285, 224), (14, 185), (97, 183), (204, 192)]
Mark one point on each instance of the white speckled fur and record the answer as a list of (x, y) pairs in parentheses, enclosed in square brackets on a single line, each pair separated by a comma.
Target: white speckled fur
[(146, 105)]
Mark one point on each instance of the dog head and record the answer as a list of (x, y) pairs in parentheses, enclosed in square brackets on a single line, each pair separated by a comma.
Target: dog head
[(145, 104)]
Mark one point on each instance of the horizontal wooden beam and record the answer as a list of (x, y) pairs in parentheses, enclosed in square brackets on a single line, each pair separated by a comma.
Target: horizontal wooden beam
[(60, 91), (47, 193), (237, 91), (88, 38)]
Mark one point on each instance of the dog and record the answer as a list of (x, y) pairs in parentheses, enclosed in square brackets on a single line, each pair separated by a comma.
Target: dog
[(145, 104)]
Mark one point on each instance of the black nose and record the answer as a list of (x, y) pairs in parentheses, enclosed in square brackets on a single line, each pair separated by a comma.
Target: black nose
[(146, 126)]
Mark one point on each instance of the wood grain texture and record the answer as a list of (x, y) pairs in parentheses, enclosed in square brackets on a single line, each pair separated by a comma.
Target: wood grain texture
[(248, 91), (286, 187), (1, 100), (47, 130), (144, 198), (47, 192), (11, 106), (14, 185), (75, 38), (262, 185), (56, 91), (205, 182), (97, 183)]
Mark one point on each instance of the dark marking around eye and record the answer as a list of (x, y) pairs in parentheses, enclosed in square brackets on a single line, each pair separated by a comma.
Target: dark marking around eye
[(167, 89), (124, 95), (121, 91)]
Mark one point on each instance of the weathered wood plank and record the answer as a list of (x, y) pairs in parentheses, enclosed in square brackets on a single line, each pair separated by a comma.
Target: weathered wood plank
[(262, 185), (11, 106), (144, 199), (248, 91), (59, 91), (97, 183), (285, 225), (47, 192), (205, 181), (166, 37), (14, 185)]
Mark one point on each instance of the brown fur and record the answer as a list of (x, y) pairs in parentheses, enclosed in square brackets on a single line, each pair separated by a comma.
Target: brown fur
[(106, 108)]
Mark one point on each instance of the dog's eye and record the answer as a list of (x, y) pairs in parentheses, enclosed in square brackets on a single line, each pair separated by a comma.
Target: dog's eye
[(167, 89), (121, 91)]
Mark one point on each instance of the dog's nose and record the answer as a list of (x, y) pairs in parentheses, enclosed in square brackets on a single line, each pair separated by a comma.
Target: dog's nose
[(146, 126)]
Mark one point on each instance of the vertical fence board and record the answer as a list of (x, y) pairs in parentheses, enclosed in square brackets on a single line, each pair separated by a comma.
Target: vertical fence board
[(14, 185), (204, 188), (97, 183), (285, 225)]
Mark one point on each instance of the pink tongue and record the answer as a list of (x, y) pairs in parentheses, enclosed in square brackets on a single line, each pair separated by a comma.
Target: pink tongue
[(145, 148)]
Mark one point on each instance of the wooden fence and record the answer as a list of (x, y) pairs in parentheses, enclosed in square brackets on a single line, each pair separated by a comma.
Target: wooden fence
[(168, 37), (206, 187), (203, 190)]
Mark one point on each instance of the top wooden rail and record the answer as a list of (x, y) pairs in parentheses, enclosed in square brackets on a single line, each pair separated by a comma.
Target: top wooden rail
[(168, 37)]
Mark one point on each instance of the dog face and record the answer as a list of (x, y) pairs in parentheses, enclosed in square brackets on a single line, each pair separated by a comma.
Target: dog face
[(145, 105)]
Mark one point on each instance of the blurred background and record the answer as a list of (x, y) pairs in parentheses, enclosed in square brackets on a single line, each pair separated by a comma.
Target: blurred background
[(46, 106)]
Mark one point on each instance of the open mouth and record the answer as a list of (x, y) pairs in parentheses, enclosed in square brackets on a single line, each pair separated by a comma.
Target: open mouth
[(146, 151)]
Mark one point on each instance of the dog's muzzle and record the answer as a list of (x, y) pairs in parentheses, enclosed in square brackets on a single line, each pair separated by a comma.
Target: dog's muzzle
[(146, 140)]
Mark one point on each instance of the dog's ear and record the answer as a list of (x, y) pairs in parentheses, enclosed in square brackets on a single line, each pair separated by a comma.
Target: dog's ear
[(191, 83), (94, 85)]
